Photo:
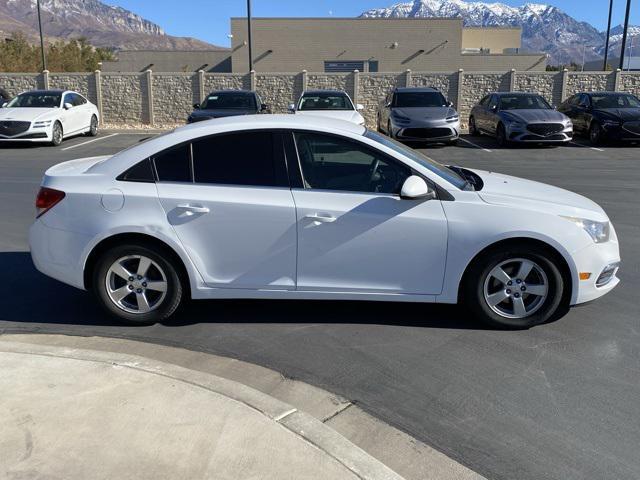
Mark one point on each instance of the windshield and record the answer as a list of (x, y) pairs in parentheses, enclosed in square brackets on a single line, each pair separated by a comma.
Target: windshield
[(230, 100), (419, 99), (325, 101), (440, 170), (615, 101), (523, 102), (36, 100)]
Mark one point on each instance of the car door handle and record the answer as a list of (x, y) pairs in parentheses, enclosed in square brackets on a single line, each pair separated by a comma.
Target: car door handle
[(323, 218), (193, 208)]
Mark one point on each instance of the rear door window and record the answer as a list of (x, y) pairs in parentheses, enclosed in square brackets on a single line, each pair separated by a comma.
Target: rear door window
[(173, 164)]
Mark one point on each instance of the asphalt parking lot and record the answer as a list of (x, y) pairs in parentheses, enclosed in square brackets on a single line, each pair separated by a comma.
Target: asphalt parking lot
[(558, 401)]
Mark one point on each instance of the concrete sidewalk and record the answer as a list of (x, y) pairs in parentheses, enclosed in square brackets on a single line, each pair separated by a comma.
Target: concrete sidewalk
[(78, 414)]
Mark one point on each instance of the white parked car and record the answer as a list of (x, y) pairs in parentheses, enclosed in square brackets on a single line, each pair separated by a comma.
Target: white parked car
[(329, 104), (280, 206), (47, 116)]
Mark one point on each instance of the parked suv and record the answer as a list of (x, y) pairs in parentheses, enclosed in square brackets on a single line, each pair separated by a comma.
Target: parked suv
[(519, 117), (604, 115), (228, 103), (418, 114)]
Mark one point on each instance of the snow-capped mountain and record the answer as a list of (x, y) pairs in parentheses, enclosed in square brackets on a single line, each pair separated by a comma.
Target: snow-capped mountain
[(104, 25), (545, 28)]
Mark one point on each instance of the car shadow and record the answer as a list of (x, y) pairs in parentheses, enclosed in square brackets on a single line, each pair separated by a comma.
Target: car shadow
[(37, 303)]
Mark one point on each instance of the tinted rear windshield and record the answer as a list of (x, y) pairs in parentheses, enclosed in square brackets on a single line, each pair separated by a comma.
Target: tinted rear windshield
[(229, 100), (523, 102), (325, 101), (419, 99), (37, 100)]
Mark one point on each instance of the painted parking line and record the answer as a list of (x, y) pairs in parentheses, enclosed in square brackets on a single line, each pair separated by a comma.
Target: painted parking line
[(586, 146), (475, 145), (89, 141)]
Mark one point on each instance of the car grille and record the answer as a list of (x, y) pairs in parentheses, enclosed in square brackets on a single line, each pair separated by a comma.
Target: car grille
[(545, 129), (632, 127), (10, 128), (427, 132)]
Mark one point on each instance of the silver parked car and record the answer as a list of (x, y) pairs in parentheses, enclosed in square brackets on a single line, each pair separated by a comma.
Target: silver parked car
[(519, 117), (418, 114)]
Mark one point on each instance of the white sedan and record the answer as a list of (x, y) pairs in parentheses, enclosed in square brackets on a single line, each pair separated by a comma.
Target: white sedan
[(47, 116), (287, 207), (329, 104)]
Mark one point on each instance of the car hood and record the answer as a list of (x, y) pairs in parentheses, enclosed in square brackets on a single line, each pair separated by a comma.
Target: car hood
[(425, 113), (541, 115), (27, 114), (500, 189), (347, 115), (220, 113), (624, 114)]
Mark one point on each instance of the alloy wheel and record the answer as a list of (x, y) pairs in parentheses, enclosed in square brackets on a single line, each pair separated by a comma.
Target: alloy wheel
[(93, 129), (136, 284), (516, 288), (57, 134)]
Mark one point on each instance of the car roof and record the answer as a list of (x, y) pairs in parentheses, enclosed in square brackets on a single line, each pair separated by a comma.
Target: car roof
[(232, 90), (52, 90), (515, 94), (316, 92), (127, 158), (604, 93), (416, 89)]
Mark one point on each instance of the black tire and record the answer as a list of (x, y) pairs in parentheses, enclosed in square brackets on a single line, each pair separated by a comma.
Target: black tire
[(595, 134), (473, 287), (389, 129), (57, 134), (501, 135), (93, 127), (165, 306), (473, 130)]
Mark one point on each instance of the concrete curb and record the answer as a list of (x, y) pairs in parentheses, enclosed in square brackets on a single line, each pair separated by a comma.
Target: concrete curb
[(302, 424)]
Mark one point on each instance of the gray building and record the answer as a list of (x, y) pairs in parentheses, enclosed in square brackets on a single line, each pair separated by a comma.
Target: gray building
[(378, 45), (218, 60)]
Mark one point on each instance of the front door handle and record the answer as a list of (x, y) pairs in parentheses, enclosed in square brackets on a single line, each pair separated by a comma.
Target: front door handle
[(322, 218), (193, 208)]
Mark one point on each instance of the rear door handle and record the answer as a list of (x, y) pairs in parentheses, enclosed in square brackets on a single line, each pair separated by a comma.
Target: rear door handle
[(323, 218), (193, 208)]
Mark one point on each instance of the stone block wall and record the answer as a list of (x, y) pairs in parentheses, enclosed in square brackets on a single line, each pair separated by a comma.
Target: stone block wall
[(165, 100)]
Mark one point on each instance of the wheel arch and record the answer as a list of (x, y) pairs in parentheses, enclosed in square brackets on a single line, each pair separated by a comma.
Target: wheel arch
[(558, 257), (140, 239)]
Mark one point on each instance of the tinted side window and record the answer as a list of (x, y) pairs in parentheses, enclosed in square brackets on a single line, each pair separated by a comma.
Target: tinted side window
[(141, 172), (485, 101), (332, 163), (173, 165), (78, 100), (246, 158), (68, 98)]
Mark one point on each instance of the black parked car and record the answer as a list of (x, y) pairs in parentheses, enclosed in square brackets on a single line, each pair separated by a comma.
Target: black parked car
[(604, 115), (4, 96), (228, 103)]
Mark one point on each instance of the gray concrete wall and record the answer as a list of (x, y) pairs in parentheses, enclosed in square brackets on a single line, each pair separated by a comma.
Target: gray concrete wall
[(165, 99)]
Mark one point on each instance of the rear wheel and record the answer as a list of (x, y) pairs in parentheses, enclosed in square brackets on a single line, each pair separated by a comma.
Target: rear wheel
[(56, 134), (514, 287), (93, 127), (137, 284)]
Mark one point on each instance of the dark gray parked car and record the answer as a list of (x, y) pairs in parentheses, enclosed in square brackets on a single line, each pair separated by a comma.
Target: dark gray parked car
[(228, 103), (418, 114), (519, 117)]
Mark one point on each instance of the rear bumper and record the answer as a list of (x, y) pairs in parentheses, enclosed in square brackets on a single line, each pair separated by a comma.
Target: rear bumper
[(55, 253)]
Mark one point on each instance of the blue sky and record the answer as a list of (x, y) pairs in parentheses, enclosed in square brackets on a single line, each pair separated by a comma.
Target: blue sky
[(209, 19)]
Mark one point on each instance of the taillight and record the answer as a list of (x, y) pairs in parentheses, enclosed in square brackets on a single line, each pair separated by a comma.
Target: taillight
[(47, 198)]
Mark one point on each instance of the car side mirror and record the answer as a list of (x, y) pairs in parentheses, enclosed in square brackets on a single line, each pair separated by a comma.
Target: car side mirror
[(387, 105), (196, 106), (494, 108), (292, 107), (415, 188), (67, 106), (264, 107), (359, 106), (449, 103)]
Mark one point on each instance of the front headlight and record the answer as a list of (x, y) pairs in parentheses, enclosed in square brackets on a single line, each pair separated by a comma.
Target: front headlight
[(41, 124), (569, 124), (452, 119), (598, 231), (610, 123)]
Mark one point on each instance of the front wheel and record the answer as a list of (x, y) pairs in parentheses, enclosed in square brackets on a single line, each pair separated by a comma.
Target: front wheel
[(595, 134), (56, 134), (473, 129), (514, 288), (501, 136), (137, 284)]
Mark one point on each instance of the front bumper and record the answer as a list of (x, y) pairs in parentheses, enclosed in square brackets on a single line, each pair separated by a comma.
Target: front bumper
[(595, 259), (524, 135), (621, 132), (55, 253), (32, 134), (440, 131)]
